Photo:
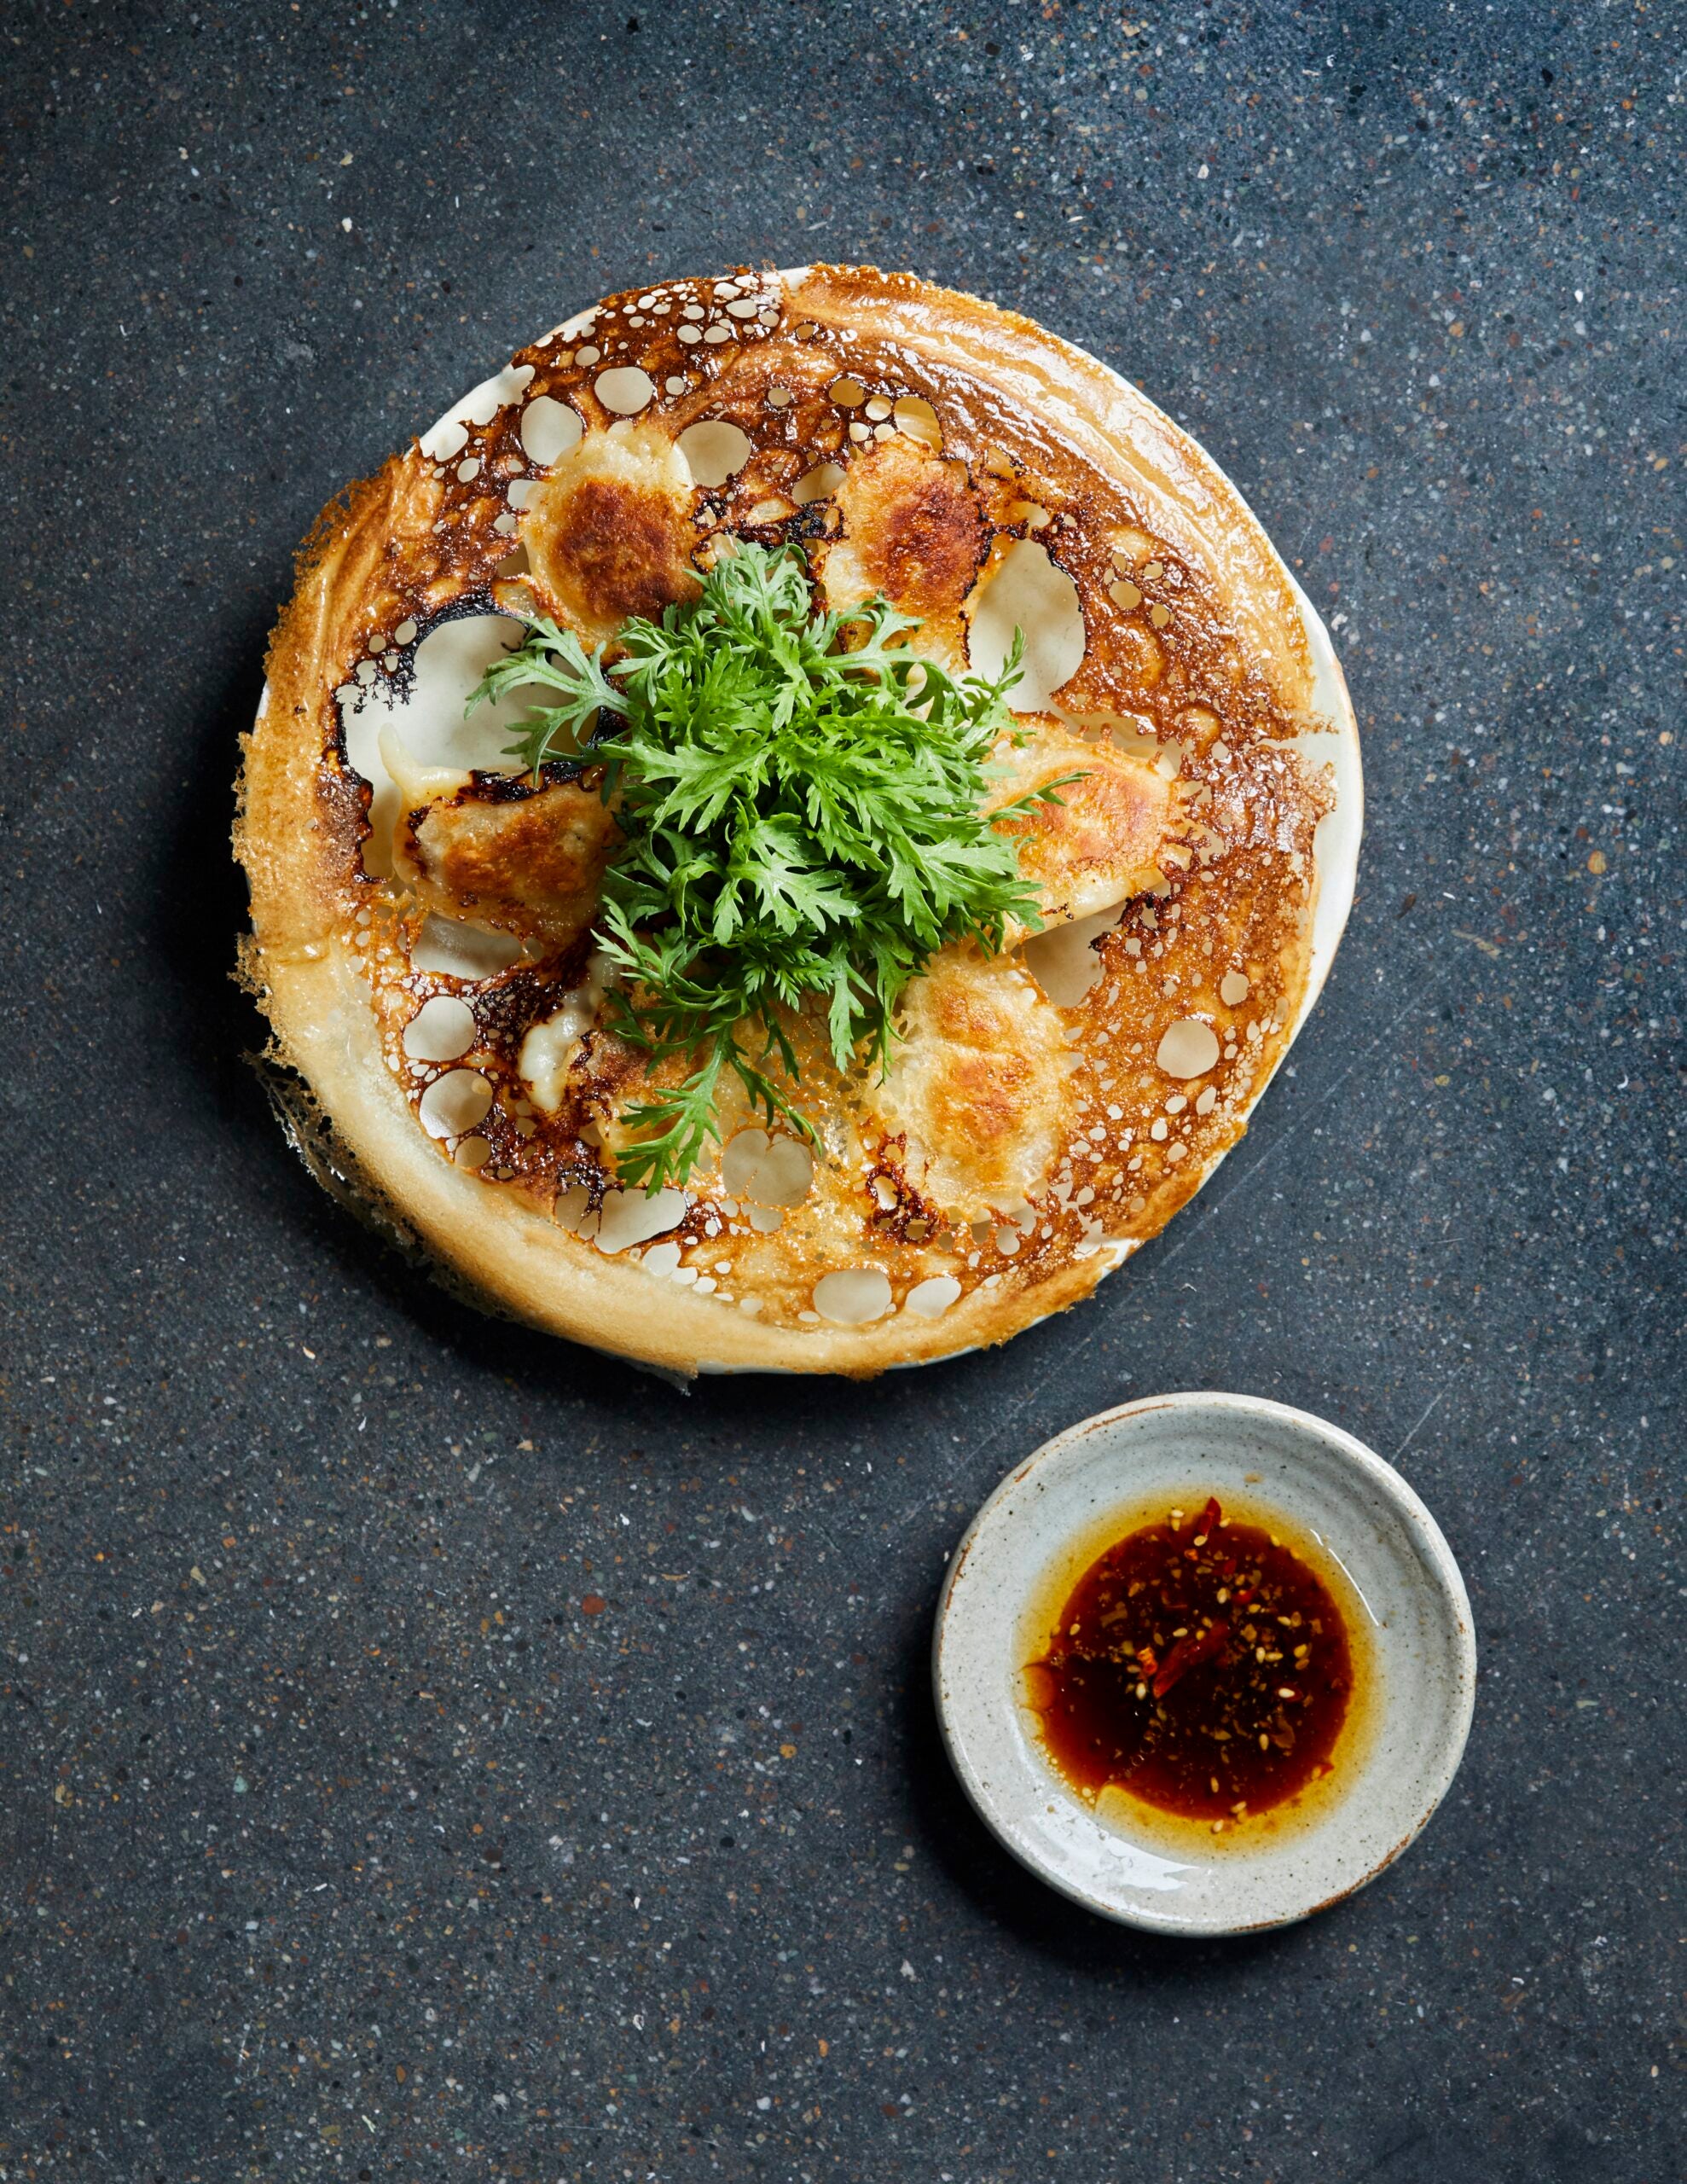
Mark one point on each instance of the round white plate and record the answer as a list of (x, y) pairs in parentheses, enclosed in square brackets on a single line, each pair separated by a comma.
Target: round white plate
[(1404, 1592)]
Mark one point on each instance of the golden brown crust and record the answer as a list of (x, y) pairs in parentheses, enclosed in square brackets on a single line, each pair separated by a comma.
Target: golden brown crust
[(1197, 669)]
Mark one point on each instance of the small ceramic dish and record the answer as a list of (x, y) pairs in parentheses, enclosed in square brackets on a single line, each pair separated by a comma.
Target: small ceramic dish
[(1382, 1556)]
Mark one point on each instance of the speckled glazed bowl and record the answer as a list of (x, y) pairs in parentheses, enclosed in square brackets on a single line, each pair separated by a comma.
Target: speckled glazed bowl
[(1394, 1576)]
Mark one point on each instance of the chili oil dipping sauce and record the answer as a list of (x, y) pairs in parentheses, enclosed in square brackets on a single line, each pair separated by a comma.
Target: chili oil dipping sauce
[(1207, 1664), (1229, 1515)]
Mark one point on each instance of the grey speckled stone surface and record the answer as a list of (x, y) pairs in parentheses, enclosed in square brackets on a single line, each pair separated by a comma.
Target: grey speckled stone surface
[(429, 1753)]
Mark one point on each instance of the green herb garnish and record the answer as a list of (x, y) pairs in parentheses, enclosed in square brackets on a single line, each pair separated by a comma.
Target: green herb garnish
[(800, 797)]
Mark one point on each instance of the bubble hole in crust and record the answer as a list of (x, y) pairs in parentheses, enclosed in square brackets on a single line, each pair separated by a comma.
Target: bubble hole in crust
[(428, 718), (715, 450), (455, 1102), (933, 1296), (819, 484), (915, 416), (549, 428), (1026, 591), (776, 1170), (853, 1295), (625, 390), (1064, 960), (634, 1217), (1189, 1048), (448, 436), (442, 1030), (452, 948)]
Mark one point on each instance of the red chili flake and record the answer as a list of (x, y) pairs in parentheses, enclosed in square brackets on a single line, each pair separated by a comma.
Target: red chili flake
[(1189, 1653)]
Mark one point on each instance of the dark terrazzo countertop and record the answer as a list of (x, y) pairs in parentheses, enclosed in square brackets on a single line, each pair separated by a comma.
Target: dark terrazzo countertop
[(431, 1752)]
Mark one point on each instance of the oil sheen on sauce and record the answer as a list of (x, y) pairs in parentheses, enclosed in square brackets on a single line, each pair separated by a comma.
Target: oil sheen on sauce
[(1201, 1664)]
